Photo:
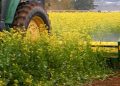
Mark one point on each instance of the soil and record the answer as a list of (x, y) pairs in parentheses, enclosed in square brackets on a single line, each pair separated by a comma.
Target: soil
[(110, 81)]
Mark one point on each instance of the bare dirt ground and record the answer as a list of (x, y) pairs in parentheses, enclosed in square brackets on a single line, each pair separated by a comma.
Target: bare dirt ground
[(110, 81)]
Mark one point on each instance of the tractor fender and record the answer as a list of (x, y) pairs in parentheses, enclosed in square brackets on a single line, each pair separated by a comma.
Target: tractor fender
[(13, 4)]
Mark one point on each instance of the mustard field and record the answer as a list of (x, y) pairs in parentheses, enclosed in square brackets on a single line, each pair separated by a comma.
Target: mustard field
[(92, 23), (62, 58), (94, 27), (84, 22)]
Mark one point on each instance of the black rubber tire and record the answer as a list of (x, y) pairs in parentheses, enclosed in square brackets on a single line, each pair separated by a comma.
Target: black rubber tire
[(26, 11)]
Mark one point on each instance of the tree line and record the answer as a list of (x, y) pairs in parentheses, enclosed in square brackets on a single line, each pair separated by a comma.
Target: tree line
[(70, 4)]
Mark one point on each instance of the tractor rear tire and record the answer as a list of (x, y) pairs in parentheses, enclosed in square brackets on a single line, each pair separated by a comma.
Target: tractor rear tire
[(31, 12)]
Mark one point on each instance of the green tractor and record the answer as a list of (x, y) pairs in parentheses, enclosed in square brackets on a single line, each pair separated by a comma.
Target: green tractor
[(30, 14)]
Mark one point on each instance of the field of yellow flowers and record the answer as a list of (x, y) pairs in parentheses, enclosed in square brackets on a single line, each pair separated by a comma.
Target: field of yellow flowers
[(85, 22), (63, 58), (88, 26)]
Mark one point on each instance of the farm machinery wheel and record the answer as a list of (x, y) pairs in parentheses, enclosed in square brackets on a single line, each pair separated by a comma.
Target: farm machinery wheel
[(33, 18)]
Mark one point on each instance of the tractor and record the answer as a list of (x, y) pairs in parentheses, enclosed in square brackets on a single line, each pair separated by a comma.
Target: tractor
[(30, 14)]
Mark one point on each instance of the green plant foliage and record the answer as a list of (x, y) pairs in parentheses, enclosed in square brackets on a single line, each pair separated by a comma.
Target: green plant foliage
[(50, 60), (63, 58)]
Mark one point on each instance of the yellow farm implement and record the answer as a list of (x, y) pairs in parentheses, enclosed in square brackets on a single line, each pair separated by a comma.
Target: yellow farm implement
[(111, 50)]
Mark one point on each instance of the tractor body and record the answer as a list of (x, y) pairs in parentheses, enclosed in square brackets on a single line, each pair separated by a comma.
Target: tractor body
[(8, 9)]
